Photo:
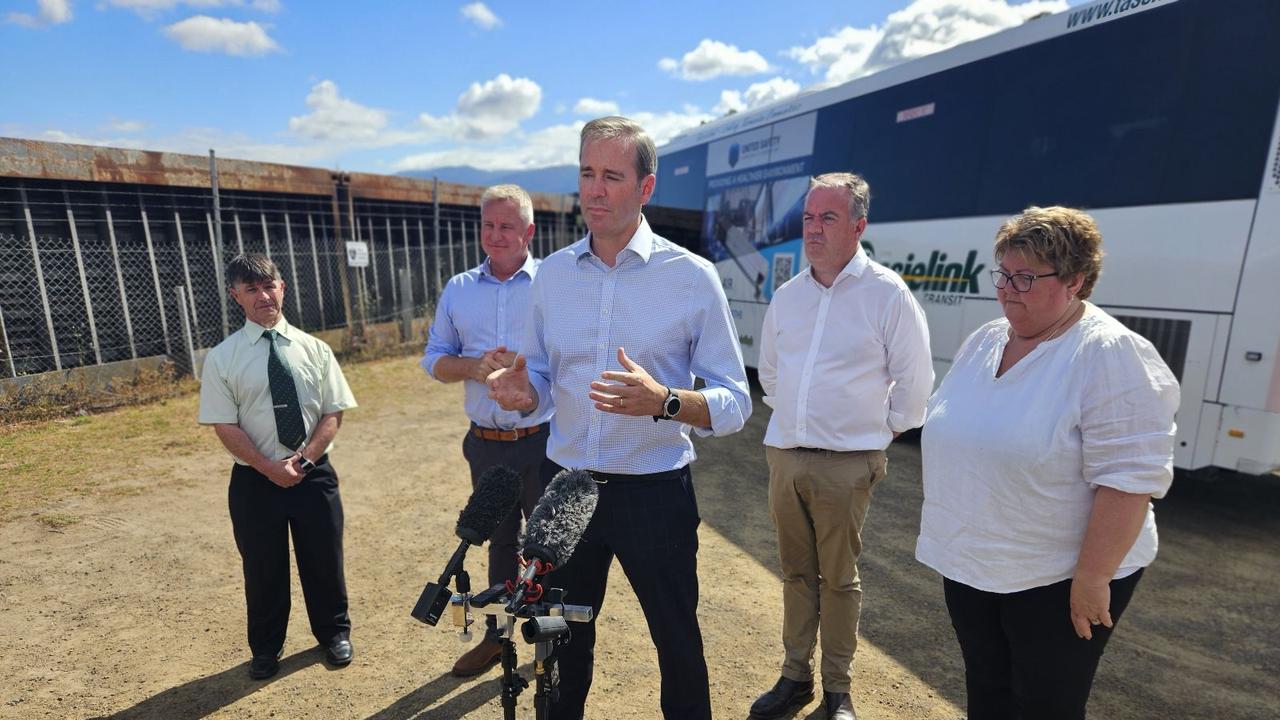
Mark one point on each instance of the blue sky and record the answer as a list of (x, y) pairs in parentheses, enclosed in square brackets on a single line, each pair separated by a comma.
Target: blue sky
[(390, 86)]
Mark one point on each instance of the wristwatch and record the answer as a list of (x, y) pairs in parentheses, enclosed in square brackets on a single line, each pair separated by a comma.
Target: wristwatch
[(306, 465), (670, 407)]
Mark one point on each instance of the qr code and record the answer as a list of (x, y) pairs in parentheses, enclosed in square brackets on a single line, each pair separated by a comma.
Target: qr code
[(782, 268)]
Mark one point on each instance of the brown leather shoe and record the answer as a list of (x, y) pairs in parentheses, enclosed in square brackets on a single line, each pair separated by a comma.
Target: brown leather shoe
[(478, 659)]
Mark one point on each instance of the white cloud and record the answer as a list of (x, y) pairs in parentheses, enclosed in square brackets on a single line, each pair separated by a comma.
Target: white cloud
[(151, 8), (922, 28), (554, 145), (595, 108), (712, 58), (757, 94), (481, 15), (126, 126), (488, 110), (334, 117), (51, 12), (205, 34)]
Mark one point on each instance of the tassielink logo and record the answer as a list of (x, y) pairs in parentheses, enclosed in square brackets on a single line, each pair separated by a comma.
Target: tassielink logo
[(735, 152), (937, 280)]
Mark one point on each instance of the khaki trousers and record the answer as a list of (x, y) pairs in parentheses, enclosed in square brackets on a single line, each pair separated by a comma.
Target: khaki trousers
[(818, 500)]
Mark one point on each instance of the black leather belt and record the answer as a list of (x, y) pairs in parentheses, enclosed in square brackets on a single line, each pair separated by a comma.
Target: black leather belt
[(604, 477)]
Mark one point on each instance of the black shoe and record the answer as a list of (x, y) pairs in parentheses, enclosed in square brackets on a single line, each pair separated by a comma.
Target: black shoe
[(339, 652), (787, 695), (262, 667), (839, 706)]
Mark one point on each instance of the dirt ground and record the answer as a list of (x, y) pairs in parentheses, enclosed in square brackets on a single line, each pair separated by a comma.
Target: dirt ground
[(136, 611)]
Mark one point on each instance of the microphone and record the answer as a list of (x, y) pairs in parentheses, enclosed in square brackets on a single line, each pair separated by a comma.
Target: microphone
[(553, 530), (496, 494)]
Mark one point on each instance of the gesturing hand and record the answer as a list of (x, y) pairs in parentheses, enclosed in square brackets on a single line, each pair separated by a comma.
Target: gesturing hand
[(510, 388), (633, 392)]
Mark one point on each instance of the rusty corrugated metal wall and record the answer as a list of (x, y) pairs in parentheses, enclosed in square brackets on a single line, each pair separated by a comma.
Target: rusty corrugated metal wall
[(94, 240)]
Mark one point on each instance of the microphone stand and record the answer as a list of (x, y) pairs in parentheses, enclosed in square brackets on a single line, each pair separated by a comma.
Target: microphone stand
[(545, 627)]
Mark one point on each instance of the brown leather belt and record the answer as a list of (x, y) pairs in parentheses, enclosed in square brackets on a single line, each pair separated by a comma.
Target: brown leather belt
[(504, 435)]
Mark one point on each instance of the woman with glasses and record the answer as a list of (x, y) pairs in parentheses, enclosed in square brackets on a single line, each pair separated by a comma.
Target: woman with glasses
[(1042, 449)]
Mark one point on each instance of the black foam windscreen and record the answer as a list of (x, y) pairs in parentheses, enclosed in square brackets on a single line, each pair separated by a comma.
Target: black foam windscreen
[(560, 518), (493, 499)]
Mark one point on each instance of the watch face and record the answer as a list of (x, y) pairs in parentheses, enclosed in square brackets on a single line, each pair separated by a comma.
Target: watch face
[(672, 407)]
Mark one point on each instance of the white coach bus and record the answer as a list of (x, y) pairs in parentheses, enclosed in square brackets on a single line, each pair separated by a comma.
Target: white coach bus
[(1159, 117)]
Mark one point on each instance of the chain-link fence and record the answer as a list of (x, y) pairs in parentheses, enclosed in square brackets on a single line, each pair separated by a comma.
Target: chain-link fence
[(89, 272)]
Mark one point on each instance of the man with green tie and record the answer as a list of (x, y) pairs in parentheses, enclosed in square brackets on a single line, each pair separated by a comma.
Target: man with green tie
[(275, 396)]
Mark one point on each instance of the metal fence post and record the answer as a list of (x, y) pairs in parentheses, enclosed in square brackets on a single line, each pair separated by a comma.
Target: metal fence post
[(452, 272), (8, 354), (391, 265), (186, 271), (406, 308), (124, 297), (155, 279), (404, 231), (422, 255), (315, 264), (181, 294), (44, 292), (215, 249), (239, 237), (435, 233), (293, 266), (373, 263), (84, 280), (266, 234)]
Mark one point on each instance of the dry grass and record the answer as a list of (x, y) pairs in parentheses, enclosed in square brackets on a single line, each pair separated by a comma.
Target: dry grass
[(108, 453), (49, 399)]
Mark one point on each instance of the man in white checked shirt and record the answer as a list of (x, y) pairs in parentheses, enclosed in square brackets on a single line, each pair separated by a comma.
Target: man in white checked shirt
[(621, 323), (845, 365)]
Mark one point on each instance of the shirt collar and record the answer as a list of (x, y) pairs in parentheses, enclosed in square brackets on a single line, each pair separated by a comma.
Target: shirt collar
[(641, 243), (854, 268), (255, 331), (530, 268)]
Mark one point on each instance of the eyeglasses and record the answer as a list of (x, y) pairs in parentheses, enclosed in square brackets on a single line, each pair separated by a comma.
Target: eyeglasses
[(1021, 281)]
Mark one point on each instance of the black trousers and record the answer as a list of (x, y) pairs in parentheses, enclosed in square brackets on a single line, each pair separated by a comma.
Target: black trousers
[(650, 523), (1022, 658), (263, 515), (525, 457)]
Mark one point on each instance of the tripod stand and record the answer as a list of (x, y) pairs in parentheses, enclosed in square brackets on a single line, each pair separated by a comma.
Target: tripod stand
[(545, 626)]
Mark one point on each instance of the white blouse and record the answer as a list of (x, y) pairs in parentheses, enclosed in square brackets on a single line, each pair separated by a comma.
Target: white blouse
[(1011, 464)]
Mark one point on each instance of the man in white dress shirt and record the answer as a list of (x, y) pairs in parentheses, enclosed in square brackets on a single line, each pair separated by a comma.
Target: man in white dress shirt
[(845, 365), (621, 323)]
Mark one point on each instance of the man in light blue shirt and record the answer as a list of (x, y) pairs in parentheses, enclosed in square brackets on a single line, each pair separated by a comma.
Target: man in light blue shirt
[(480, 315), (621, 323)]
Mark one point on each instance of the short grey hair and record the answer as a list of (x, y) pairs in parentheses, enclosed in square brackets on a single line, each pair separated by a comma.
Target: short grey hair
[(251, 268), (1066, 239), (859, 190), (630, 133), (516, 195)]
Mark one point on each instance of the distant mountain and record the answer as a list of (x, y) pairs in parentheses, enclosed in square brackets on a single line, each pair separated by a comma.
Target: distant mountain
[(554, 179)]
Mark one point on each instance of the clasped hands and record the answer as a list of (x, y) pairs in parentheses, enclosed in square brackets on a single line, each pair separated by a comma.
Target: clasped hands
[(631, 392), (286, 472)]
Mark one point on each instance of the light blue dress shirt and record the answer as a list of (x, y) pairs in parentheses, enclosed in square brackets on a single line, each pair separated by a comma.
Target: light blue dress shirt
[(476, 313), (664, 305)]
